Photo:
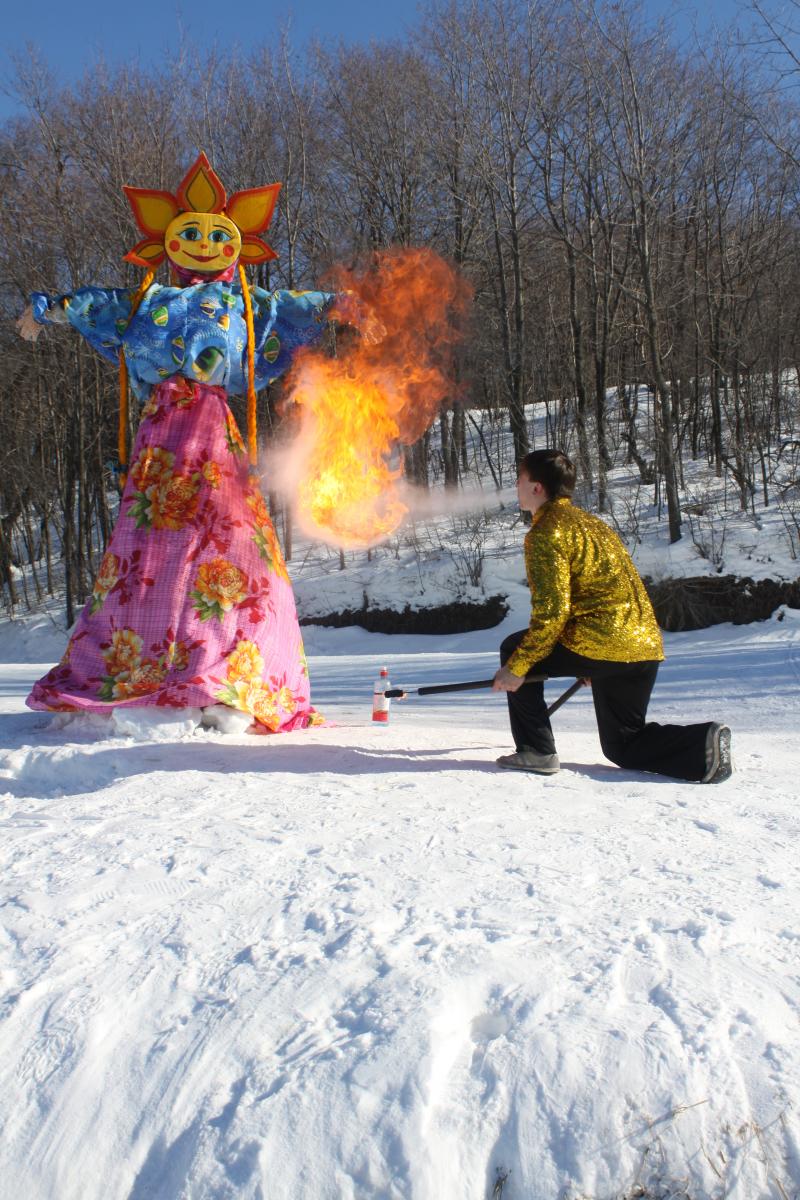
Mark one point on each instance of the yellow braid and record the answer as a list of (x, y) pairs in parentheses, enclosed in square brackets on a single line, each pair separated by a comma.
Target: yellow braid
[(122, 431), (252, 429)]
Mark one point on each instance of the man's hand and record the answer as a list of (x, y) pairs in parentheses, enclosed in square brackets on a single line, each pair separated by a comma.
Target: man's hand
[(507, 681), (27, 326)]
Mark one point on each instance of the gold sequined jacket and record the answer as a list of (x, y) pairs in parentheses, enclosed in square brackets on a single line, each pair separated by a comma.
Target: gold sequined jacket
[(585, 592)]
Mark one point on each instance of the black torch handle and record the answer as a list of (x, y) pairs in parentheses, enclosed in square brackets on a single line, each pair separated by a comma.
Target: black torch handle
[(437, 688)]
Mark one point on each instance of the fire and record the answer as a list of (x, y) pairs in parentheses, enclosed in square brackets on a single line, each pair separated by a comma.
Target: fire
[(381, 392)]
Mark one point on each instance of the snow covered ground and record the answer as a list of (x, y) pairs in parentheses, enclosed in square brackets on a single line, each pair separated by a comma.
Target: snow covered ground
[(361, 962)]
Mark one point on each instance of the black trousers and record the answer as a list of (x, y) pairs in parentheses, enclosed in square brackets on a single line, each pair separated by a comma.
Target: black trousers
[(621, 693)]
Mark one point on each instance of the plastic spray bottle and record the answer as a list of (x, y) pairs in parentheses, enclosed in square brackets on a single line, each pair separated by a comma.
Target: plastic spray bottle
[(380, 704)]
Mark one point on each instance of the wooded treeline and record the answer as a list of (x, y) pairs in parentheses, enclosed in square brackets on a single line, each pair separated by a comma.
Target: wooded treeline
[(625, 208)]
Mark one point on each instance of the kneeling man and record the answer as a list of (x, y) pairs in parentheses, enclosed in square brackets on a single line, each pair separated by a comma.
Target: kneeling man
[(591, 618)]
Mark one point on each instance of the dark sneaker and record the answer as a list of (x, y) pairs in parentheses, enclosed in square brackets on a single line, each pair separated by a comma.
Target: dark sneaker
[(530, 760), (718, 755)]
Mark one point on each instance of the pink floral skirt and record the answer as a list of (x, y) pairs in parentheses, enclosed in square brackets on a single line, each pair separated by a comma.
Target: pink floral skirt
[(192, 605)]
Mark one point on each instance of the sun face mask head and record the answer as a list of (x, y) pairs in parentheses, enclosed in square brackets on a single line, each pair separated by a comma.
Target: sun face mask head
[(204, 242), (202, 233)]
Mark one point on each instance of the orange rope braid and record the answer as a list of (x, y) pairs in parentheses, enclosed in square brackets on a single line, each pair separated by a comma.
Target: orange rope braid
[(122, 431), (252, 426)]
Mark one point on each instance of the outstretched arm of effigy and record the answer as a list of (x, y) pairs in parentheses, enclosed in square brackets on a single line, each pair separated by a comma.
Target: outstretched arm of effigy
[(100, 314), (284, 321), (300, 309)]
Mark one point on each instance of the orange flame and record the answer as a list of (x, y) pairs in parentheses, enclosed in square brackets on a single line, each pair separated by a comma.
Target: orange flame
[(382, 391)]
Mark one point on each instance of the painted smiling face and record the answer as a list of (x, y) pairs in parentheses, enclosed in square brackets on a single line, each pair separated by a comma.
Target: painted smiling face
[(199, 241)]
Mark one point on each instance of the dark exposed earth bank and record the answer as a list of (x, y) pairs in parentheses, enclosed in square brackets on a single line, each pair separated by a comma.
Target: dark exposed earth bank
[(680, 604)]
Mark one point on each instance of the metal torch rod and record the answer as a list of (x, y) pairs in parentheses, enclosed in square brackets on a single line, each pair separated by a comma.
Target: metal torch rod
[(564, 697), (438, 688)]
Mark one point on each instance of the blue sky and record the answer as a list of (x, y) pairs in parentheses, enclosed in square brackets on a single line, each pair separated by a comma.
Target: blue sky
[(69, 36)]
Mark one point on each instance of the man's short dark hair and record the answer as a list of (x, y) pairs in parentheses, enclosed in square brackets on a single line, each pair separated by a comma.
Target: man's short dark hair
[(552, 469)]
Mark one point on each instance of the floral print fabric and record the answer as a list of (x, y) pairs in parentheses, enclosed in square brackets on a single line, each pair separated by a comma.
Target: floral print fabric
[(192, 604)]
